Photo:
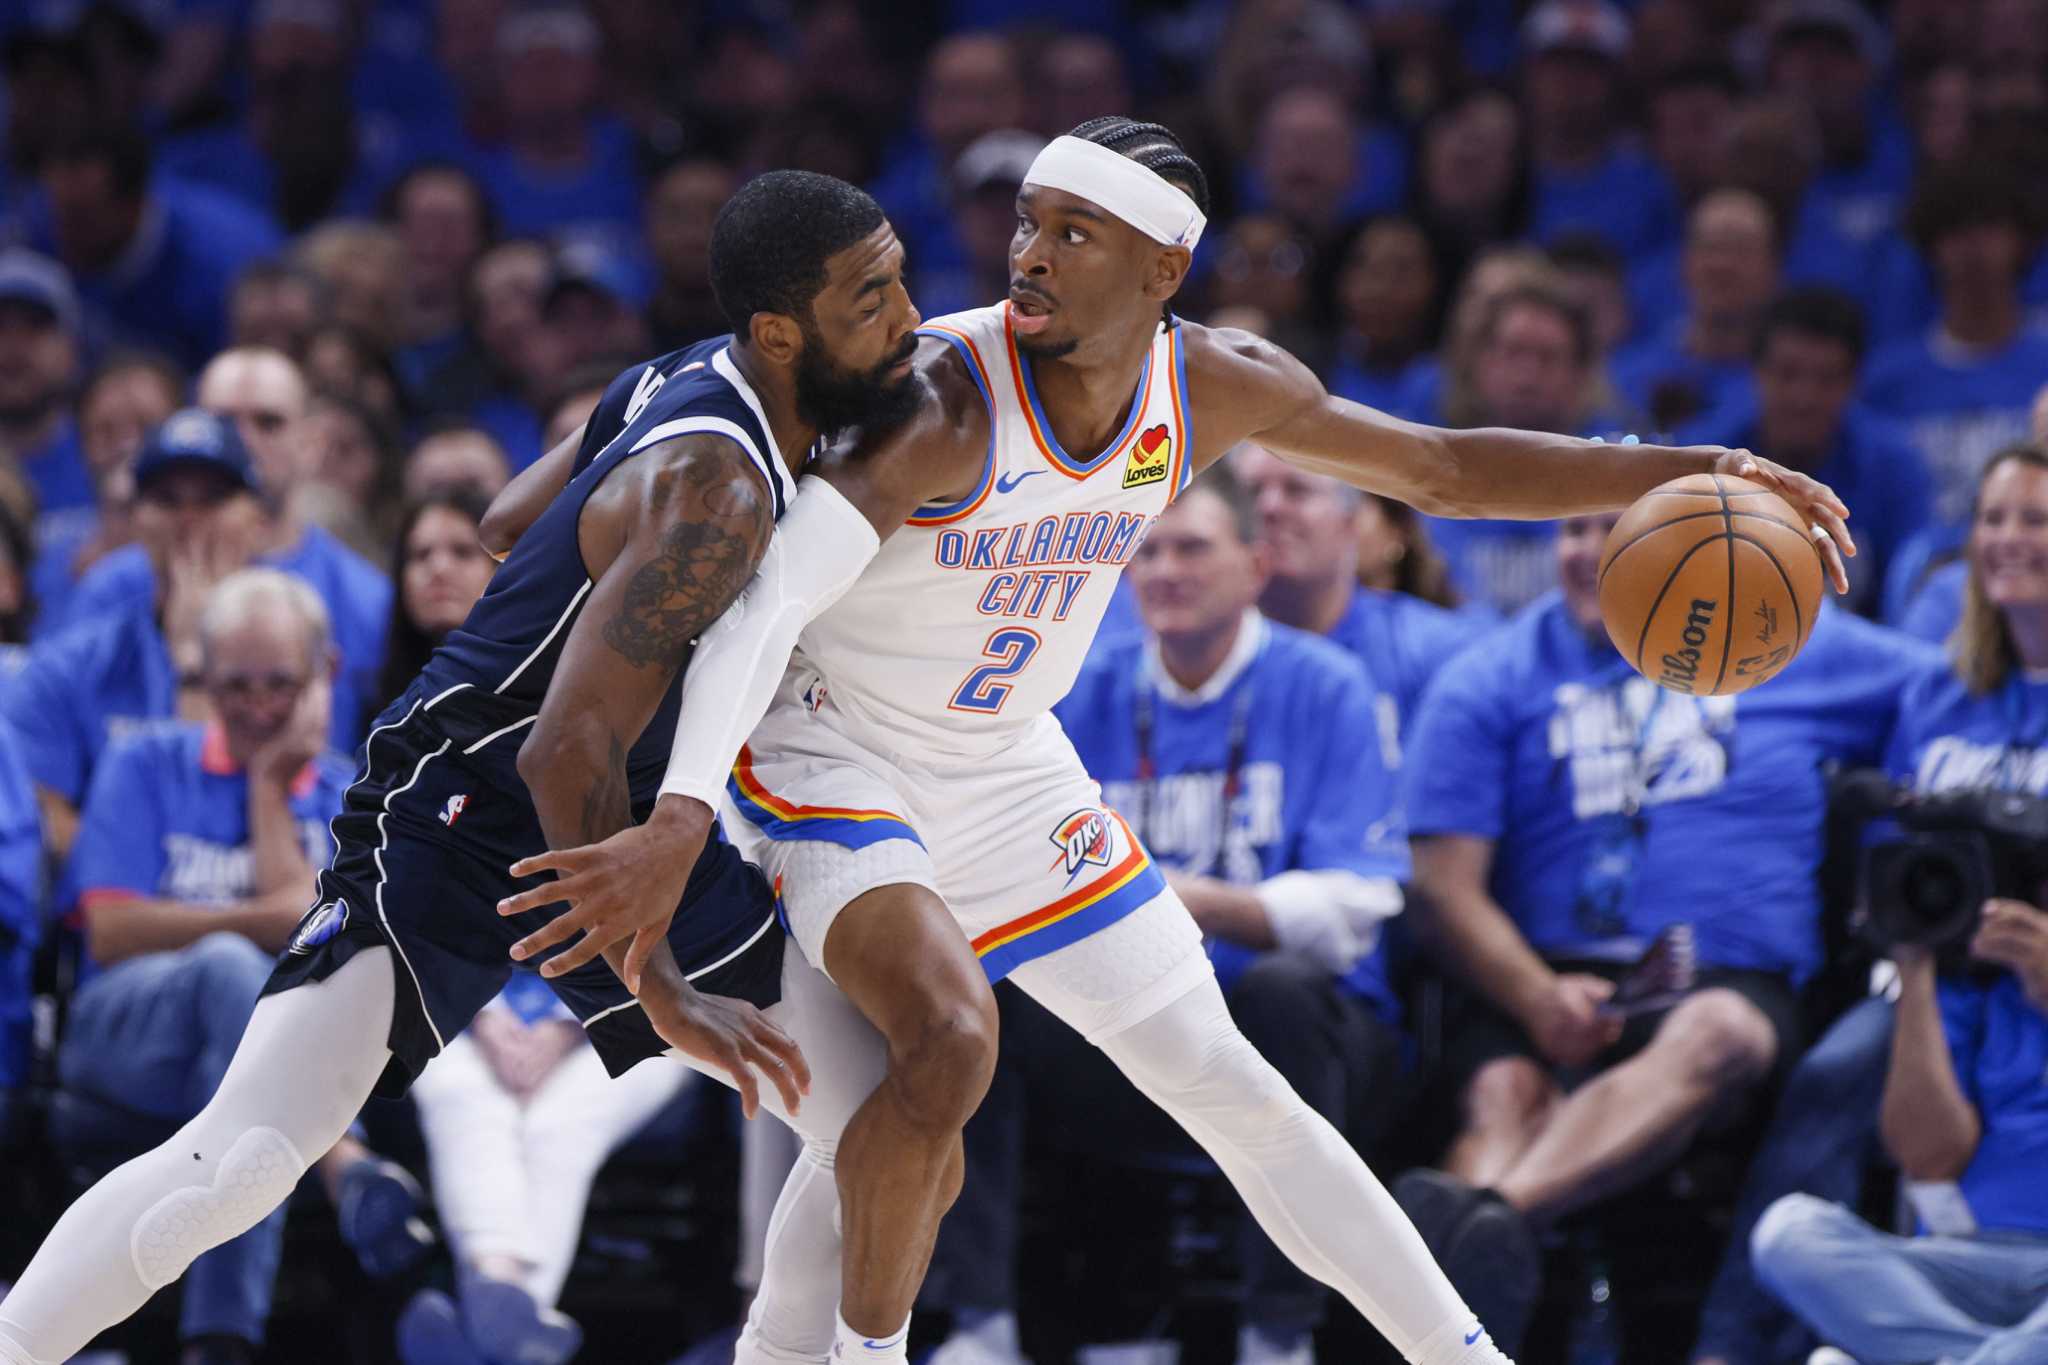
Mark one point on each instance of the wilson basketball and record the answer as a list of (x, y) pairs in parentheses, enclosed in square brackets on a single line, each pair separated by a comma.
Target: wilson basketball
[(1709, 584)]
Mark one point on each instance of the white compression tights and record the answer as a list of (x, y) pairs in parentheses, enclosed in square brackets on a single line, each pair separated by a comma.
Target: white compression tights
[(1305, 1184), (1308, 1188), (309, 1059)]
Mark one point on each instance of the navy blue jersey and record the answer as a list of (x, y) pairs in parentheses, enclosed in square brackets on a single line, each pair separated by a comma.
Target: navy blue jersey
[(503, 657)]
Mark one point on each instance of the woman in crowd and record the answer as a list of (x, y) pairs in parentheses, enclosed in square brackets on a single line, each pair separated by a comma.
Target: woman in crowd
[(438, 569)]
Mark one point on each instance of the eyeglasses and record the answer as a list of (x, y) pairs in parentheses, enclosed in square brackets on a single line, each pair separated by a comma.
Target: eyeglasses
[(249, 686)]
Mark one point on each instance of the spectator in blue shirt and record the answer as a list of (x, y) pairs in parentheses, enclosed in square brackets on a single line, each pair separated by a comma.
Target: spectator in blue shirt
[(1471, 180), (1699, 362), (561, 169), (1313, 533), (279, 304), (1565, 812), (125, 399), (1531, 364), (1827, 54), (39, 370), (454, 454), (1962, 390), (1804, 415), (444, 220), (118, 669), (1316, 165), (154, 258), (1389, 289), (1587, 174), (263, 393), (682, 203), (499, 375), (21, 853), (1965, 1114), (194, 860), (1242, 753), (972, 85)]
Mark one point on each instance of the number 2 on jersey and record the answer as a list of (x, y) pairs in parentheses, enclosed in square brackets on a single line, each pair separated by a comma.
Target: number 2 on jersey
[(985, 691)]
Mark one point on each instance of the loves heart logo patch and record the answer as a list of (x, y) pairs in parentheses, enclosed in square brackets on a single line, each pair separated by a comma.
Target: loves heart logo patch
[(1150, 458)]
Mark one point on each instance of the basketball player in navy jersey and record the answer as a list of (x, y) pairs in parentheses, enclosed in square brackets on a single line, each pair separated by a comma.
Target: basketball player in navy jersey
[(544, 721)]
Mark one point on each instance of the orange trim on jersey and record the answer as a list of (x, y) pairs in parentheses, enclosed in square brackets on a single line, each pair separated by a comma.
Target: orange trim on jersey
[(943, 515), (750, 786), (1073, 903), (1181, 458), (1038, 434)]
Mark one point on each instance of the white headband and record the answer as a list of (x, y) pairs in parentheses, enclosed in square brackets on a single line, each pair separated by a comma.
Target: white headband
[(1140, 197)]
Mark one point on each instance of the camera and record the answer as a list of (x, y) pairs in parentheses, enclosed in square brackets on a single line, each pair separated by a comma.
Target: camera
[(1926, 886)]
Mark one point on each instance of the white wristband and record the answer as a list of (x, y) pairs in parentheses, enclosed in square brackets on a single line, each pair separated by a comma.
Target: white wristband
[(819, 548)]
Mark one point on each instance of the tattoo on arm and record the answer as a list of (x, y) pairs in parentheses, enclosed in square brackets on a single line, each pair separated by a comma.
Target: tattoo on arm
[(700, 568)]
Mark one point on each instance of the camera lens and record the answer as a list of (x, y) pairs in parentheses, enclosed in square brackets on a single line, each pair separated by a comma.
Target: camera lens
[(1931, 886)]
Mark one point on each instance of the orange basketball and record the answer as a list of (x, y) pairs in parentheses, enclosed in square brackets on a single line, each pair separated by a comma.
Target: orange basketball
[(1710, 584)]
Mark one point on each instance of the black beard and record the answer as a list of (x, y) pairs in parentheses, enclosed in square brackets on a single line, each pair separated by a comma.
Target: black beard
[(835, 400), (1047, 350)]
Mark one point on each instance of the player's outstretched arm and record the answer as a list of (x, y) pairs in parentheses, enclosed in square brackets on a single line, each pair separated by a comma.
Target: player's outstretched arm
[(1260, 392)]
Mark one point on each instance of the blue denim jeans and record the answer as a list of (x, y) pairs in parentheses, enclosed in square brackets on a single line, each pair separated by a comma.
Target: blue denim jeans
[(1891, 1300), (154, 1034), (1819, 1143)]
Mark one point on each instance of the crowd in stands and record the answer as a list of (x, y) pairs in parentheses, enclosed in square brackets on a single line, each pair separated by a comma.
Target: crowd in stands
[(290, 289)]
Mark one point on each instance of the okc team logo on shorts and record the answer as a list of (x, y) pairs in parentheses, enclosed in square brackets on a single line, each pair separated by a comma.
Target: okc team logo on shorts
[(1082, 838), (1149, 458), (321, 923)]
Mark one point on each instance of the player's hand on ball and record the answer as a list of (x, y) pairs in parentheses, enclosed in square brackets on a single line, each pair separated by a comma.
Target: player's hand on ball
[(1812, 499), (731, 1035), (626, 886)]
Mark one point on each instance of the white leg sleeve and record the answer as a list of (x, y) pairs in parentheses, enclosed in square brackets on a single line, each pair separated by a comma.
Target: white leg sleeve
[(795, 1310), (309, 1059), (471, 1124), (767, 1152), (574, 1122), (1309, 1190)]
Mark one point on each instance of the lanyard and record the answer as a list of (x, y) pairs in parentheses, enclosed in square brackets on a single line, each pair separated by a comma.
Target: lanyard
[(1144, 711), (1637, 792)]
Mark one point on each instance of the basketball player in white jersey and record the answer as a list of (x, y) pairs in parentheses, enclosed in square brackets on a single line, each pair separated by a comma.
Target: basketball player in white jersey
[(927, 824)]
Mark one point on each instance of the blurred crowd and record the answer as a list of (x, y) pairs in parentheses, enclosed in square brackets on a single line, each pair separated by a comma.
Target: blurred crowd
[(290, 289)]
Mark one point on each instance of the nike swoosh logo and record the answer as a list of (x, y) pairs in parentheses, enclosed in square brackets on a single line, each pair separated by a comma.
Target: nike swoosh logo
[(1008, 482), (1474, 1335)]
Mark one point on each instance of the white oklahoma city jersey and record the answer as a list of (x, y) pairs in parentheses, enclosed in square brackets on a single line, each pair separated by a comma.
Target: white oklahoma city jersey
[(974, 618)]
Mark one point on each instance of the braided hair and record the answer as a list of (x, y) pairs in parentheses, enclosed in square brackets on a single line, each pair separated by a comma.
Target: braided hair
[(1152, 146)]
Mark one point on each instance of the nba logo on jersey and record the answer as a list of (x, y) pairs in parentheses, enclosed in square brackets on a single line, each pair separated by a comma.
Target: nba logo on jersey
[(1082, 838), (1150, 458), (452, 812), (322, 923)]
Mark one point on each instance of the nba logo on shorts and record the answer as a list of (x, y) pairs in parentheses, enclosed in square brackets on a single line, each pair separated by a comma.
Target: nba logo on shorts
[(321, 923), (453, 810), (1082, 838)]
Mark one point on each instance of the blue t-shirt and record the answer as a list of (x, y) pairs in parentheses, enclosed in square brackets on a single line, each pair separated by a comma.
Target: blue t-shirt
[(1402, 641), (1391, 391), (1312, 789), (57, 473), (1504, 565), (356, 593), (1661, 367), (1949, 739), (1881, 477), (170, 291), (1624, 198), (597, 201), (1957, 408), (1998, 1040), (912, 189), (51, 581), (84, 687), (1537, 738), (168, 818), (1934, 612), (228, 161), (21, 865)]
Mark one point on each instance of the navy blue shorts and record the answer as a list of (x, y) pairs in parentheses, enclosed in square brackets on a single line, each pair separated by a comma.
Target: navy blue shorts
[(423, 842)]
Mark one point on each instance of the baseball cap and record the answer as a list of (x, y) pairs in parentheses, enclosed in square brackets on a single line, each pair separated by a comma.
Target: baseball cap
[(1576, 26), (594, 268), (194, 439), (1845, 17), (26, 277), (550, 25), (998, 158)]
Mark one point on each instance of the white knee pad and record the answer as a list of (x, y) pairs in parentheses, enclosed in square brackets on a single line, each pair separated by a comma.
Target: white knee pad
[(256, 1174)]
